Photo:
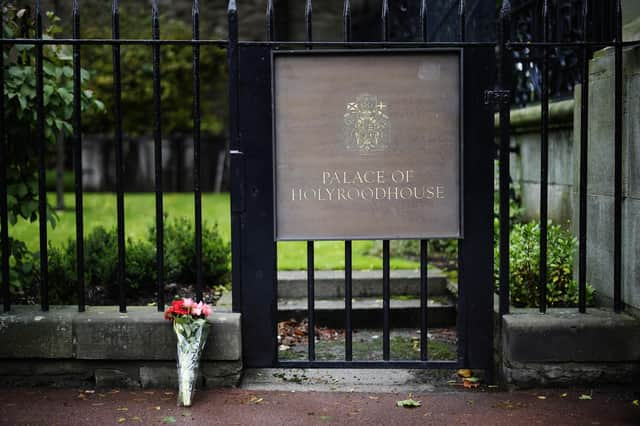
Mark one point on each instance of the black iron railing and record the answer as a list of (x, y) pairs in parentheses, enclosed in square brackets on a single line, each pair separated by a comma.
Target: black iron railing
[(582, 49), (511, 50)]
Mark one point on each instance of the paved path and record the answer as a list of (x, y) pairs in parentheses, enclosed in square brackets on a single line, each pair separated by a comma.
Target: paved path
[(253, 407)]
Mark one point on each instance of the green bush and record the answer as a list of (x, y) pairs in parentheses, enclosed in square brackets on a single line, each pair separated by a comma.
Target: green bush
[(23, 270), (524, 273), (100, 269), (180, 253), (101, 260)]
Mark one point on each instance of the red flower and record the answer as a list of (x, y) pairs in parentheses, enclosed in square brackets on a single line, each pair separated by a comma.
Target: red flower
[(168, 314), (178, 308)]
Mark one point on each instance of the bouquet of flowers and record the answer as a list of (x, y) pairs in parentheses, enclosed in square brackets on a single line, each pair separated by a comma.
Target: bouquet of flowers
[(191, 327)]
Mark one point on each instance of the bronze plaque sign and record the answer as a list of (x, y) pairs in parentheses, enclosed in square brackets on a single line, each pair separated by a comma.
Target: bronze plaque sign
[(367, 145)]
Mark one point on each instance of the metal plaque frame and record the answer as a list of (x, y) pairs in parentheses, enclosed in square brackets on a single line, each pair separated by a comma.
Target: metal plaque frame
[(457, 52)]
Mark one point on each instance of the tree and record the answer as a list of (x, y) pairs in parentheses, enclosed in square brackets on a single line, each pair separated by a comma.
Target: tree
[(21, 120)]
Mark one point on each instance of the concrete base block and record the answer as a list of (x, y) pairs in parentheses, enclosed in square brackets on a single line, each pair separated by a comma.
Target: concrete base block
[(529, 375), (142, 334), (107, 349), (27, 332), (564, 335), (566, 348)]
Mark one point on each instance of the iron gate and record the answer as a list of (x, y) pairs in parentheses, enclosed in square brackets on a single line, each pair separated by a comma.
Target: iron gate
[(254, 250)]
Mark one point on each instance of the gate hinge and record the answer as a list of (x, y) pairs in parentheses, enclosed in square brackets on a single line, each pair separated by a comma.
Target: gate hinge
[(497, 97)]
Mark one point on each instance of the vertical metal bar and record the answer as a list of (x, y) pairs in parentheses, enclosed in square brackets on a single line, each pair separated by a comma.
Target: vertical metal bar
[(235, 158), (504, 82), (42, 151), (462, 20), (346, 20), (117, 110), (386, 296), (311, 308), (308, 18), (544, 161), (77, 157), (348, 272), (197, 191), (385, 20), (423, 20), (617, 231), (348, 308), (584, 140), (424, 279), (270, 21), (311, 294), (424, 294), (157, 147), (4, 208)]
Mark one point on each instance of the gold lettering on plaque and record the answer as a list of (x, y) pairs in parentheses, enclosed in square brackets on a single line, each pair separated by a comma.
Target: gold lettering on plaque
[(366, 124)]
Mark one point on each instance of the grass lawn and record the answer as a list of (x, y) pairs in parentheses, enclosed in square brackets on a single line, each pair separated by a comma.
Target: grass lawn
[(100, 209)]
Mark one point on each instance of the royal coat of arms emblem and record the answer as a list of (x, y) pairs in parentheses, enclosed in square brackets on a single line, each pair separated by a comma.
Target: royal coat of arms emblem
[(366, 124)]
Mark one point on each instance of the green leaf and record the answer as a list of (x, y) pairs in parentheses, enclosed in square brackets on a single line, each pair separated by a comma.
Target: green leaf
[(168, 419), (585, 397), (408, 403), (49, 68)]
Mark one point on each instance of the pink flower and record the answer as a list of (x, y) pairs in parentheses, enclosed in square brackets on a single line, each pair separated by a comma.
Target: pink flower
[(188, 302), (196, 310), (206, 310)]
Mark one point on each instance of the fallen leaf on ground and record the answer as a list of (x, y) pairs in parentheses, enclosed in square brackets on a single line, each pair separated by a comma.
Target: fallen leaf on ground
[(255, 400), (542, 397), (89, 391), (585, 397), (408, 403), (564, 395), (374, 397), (465, 372), (157, 407), (168, 419), (325, 418), (136, 419), (122, 409), (97, 404), (122, 419), (471, 382), (636, 402)]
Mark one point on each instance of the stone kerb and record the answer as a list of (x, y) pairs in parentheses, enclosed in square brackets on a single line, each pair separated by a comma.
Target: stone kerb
[(137, 348), (564, 347)]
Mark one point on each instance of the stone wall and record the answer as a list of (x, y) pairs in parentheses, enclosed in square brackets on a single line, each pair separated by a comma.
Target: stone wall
[(600, 187), (525, 165), (104, 348)]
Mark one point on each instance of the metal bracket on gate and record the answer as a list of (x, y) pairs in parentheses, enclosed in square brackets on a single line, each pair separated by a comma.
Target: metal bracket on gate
[(497, 97)]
